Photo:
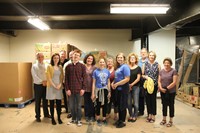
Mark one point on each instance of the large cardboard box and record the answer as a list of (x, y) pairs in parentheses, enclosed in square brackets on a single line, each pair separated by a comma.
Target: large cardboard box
[(15, 83)]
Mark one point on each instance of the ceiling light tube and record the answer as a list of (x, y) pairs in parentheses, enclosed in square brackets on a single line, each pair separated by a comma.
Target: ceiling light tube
[(139, 8), (35, 21)]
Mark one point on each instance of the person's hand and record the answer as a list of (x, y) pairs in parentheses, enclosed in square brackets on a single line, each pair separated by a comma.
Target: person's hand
[(130, 87), (109, 95), (69, 93), (163, 90), (44, 83), (82, 92), (115, 86), (92, 97), (58, 87)]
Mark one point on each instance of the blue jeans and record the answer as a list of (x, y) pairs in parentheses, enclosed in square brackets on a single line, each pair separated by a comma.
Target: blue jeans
[(75, 101), (133, 95)]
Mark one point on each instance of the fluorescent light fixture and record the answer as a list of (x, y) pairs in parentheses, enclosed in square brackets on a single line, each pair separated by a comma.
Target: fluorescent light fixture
[(139, 8), (35, 21)]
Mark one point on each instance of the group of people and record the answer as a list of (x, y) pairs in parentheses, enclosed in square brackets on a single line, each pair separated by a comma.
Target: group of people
[(118, 83)]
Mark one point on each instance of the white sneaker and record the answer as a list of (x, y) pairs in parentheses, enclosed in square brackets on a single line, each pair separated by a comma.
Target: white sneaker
[(71, 122), (79, 123)]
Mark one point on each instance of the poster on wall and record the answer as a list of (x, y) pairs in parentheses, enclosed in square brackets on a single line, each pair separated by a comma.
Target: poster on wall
[(43, 47), (57, 47)]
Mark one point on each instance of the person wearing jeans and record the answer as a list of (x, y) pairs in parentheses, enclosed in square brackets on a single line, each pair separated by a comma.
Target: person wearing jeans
[(134, 83), (75, 85)]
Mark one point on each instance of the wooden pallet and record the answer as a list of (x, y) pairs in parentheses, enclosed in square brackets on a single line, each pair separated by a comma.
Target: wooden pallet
[(18, 105)]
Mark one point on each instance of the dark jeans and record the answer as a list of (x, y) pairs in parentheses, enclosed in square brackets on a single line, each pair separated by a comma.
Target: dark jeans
[(75, 101), (40, 94), (98, 106), (58, 108), (88, 105), (168, 100), (141, 100), (112, 103), (151, 101)]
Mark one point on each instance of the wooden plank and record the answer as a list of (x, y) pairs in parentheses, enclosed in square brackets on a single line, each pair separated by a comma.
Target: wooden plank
[(189, 69), (180, 70)]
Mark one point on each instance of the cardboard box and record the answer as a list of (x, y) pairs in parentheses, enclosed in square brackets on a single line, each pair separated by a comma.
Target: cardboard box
[(15, 83), (56, 47), (186, 97), (180, 94), (194, 100), (43, 47), (196, 91)]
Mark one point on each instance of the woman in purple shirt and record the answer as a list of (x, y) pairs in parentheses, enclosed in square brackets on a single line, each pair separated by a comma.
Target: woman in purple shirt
[(89, 62), (167, 85)]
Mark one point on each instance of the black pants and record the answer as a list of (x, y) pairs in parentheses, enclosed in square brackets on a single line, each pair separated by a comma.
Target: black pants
[(112, 103), (98, 106), (151, 101), (88, 105), (65, 100), (121, 99), (141, 100), (40, 94), (168, 100), (58, 108)]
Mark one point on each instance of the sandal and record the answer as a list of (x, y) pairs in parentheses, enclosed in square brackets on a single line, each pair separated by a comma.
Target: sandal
[(169, 124), (130, 119), (148, 119), (152, 121), (163, 122)]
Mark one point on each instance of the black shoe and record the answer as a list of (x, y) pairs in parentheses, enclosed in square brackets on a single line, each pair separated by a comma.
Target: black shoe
[(47, 116), (120, 125), (38, 120), (53, 122), (69, 116), (60, 121)]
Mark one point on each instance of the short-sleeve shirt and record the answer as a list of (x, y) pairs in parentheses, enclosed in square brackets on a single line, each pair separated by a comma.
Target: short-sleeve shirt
[(167, 78), (134, 72), (101, 77), (122, 72)]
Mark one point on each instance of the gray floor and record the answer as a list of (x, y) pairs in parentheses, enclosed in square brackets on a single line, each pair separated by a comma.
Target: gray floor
[(15, 120)]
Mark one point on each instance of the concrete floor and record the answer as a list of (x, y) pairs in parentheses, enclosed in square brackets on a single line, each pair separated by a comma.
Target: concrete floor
[(13, 120)]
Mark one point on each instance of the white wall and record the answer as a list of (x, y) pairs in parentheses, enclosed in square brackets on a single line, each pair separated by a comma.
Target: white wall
[(137, 47), (113, 41), (4, 48), (163, 42)]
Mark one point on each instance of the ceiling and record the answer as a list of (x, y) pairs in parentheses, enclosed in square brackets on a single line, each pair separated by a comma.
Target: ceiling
[(184, 15)]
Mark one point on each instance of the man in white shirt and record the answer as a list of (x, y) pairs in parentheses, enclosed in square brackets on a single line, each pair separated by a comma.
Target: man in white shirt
[(39, 79)]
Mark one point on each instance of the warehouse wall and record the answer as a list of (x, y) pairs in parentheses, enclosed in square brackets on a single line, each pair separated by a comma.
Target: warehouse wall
[(4, 48), (114, 41), (163, 42)]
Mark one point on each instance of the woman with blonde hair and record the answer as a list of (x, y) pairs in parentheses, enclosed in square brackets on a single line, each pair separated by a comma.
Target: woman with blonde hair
[(134, 83), (151, 70)]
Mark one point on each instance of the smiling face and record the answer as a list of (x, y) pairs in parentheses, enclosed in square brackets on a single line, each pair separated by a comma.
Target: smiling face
[(133, 59), (89, 60), (102, 63), (63, 55), (56, 59), (143, 53), (76, 56), (152, 56), (110, 63), (40, 57), (120, 59)]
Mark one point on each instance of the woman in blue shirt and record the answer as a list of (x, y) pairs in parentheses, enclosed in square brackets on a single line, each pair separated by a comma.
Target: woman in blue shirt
[(122, 77), (101, 89)]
